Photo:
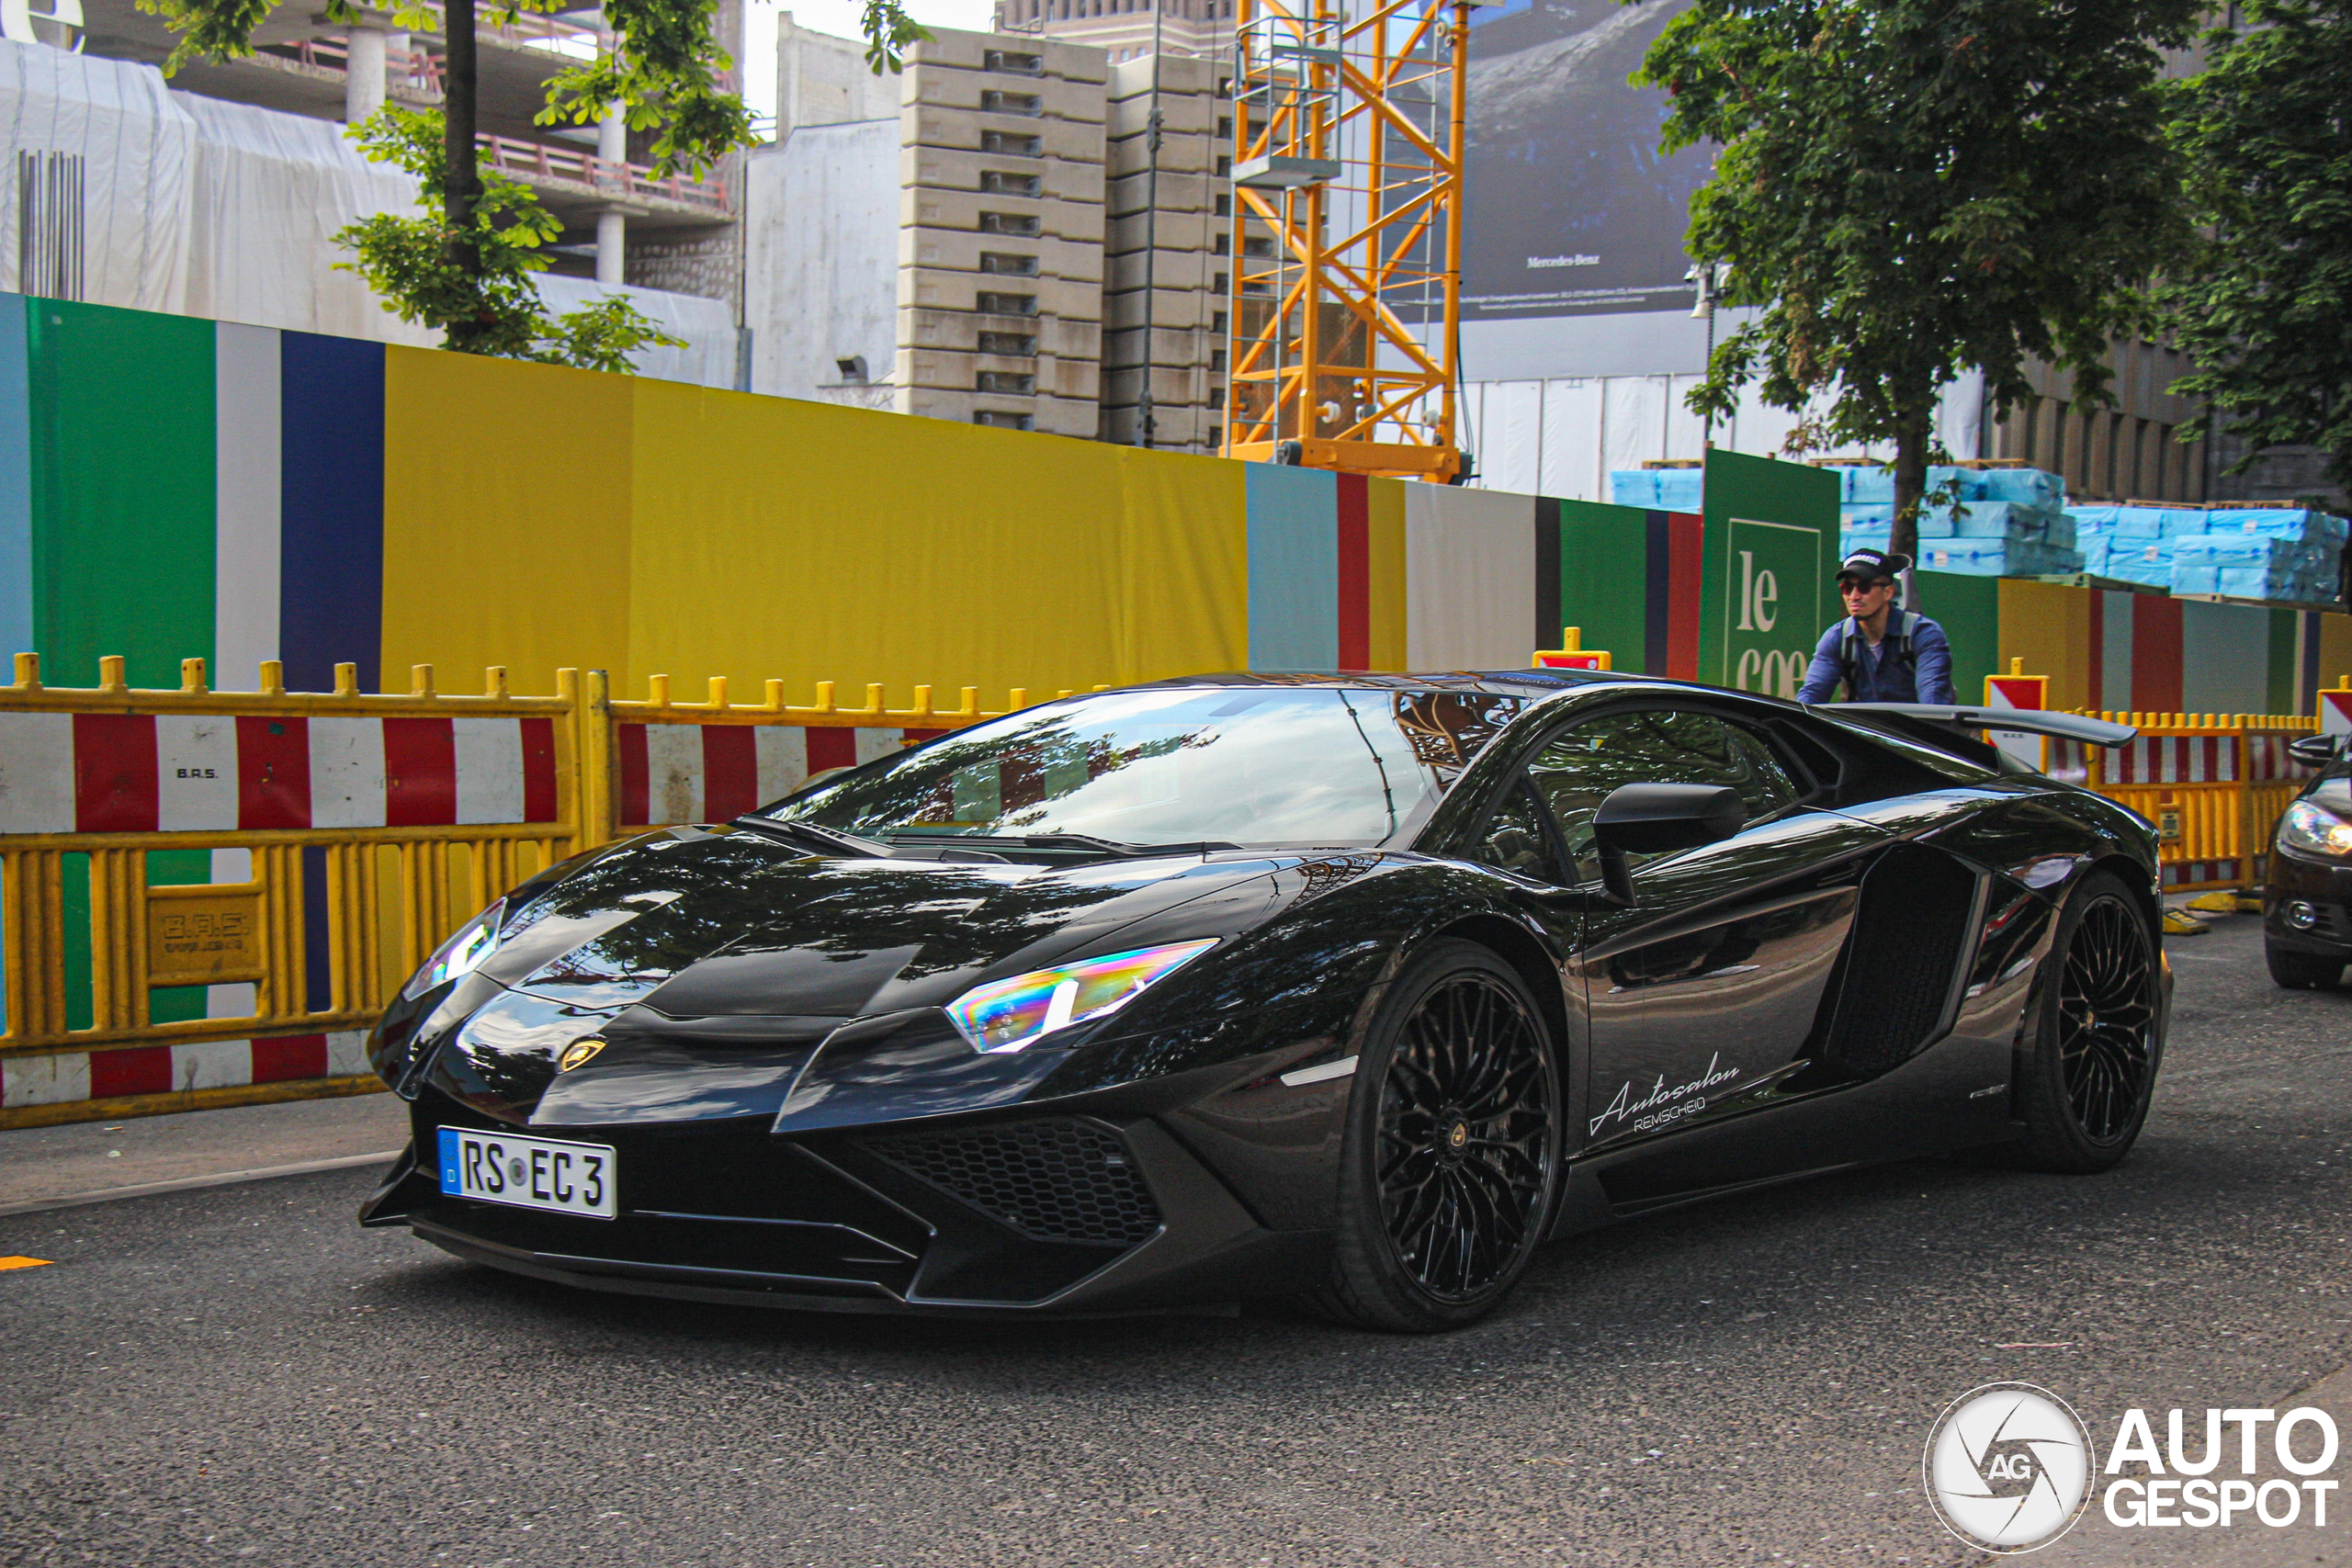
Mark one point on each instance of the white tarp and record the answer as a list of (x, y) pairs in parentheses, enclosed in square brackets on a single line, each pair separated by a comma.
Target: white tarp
[(268, 194), (136, 147), (198, 207), (708, 327)]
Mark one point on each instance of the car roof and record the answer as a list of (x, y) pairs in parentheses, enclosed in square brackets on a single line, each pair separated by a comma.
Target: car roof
[(1528, 683)]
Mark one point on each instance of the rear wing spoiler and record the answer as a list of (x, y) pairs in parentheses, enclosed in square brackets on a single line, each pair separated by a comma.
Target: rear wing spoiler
[(2023, 721)]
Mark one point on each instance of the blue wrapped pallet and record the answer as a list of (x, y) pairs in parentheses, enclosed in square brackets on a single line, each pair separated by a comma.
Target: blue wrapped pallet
[(1999, 558), (1634, 487), (2256, 565), (2140, 560), (2024, 487), (1658, 490), (2297, 525)]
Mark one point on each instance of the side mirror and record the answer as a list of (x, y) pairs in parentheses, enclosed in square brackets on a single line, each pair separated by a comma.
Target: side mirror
[(2316, 750), (1650, 818)]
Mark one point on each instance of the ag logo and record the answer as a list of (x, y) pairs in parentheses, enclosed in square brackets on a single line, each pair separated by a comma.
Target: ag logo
[(2008, 1467)]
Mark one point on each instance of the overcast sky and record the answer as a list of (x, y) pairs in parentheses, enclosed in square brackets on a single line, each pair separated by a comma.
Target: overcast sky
[(837, 16)]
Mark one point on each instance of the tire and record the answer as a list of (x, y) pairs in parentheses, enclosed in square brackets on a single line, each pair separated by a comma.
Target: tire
[(1450, 1168), (2097, 1043), (2302, 971)]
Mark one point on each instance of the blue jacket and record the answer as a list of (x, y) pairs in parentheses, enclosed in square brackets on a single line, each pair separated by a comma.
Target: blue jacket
[(1913, 663)]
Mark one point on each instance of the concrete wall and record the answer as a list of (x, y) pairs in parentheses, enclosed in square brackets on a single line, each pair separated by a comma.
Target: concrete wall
[(821, 212), (823, 80)]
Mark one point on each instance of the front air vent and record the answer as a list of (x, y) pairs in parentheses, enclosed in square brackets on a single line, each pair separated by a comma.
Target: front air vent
[(1058, 1180)]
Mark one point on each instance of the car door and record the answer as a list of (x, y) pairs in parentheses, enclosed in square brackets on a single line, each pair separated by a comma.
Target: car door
[(1705, 993)]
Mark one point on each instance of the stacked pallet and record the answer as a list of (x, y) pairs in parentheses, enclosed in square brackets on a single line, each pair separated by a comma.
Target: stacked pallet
[(2283, 554), (1659, 488), (1983, 521)]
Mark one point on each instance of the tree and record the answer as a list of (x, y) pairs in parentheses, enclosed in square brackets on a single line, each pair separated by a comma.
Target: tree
[(2265, 308), (1908, 190), (493, 309), (467, 270)]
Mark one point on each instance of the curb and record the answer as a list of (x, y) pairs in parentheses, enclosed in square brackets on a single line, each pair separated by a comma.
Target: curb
[(191, 1183)]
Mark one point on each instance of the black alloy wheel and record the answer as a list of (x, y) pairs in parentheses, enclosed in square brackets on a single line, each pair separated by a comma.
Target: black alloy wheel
[(2085, 1085), (1452, 1161), (2107, 1014)]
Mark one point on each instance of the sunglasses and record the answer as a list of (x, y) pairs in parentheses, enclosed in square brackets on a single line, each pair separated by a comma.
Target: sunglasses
[(1855, 585)]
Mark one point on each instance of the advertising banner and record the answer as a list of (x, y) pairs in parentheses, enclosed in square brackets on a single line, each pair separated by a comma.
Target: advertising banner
[(1769, 585), (1572, 211)]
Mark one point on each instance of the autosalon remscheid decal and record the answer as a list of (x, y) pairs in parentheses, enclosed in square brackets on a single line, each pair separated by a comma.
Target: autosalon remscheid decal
[(2009, 1467)]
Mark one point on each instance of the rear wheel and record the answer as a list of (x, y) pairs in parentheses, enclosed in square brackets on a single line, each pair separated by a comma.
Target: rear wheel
[(1451, 1160), (2085, 1090), (2302, 971)]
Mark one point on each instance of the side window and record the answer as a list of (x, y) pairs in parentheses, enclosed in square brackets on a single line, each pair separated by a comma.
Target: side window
[(1577, 772), (1515, 840)]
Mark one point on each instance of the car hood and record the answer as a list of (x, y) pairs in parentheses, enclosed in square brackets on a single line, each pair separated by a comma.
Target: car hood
[(738, 924), (715, 961)]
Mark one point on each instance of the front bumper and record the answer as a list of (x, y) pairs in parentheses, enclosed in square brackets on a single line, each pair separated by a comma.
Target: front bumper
[(2326, 888), (1065, 1214)]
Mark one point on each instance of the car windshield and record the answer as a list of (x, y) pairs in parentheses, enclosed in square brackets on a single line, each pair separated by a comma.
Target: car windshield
[(1249, 765)]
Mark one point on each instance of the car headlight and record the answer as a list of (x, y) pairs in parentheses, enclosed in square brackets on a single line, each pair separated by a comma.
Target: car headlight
[(461, 955), (2314, 829), (1009, 1015)]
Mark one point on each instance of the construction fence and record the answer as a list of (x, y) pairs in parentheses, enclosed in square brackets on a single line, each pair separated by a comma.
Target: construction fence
[(2213, 783), (206, 898)]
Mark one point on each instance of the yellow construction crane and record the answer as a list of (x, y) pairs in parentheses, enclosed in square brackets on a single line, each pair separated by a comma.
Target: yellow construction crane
[(1347, 239)]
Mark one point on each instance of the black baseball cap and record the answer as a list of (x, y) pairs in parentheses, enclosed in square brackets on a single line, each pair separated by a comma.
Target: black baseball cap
[(1869, 566)]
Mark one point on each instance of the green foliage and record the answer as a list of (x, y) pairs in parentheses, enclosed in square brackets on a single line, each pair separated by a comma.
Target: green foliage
[(890, 33), (664, 71), (2265, 306), (1908, 190), (489, 305), (468, 271)]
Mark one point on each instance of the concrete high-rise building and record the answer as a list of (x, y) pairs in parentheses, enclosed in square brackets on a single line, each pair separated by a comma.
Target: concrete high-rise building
[(1000, 287), (1126, 30), (986, 255), (1168, 241)]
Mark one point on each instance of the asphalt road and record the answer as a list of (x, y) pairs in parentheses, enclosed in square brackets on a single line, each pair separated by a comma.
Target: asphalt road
[(239, 1375)]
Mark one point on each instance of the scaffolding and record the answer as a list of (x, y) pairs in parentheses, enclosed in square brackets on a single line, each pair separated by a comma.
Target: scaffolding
[(1347, 243)]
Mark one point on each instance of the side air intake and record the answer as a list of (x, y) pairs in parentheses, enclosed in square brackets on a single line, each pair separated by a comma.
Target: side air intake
[(1910, 936)]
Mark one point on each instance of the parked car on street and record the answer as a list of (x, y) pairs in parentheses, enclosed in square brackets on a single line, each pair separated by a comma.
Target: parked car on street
[(2307, 903), (1350, 988)]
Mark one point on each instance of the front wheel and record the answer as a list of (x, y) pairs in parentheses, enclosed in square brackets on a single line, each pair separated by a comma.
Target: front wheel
[(1450, 1164), (2085, 1087), (2302, 971)]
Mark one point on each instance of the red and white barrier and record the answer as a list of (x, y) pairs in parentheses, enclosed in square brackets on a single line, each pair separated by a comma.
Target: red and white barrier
[(71, 1076), (710, 773), (2027, 694), (2335, 712), (2174, 759), (86, 772)]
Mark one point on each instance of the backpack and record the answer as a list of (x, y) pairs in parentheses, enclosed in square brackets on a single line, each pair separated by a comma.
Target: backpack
[(1895, 653)]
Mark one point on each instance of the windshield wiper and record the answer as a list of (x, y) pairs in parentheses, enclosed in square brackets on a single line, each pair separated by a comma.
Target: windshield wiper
[(831, 839), (1109, 848)]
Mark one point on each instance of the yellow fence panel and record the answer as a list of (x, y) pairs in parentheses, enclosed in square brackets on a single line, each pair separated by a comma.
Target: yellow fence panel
[(349, 833), (2213, 784)]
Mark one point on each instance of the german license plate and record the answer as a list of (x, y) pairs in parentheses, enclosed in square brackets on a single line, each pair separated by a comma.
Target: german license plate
[(530, 1173)]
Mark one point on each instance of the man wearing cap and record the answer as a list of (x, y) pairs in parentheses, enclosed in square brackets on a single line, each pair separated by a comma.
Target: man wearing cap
[(1880, 654)]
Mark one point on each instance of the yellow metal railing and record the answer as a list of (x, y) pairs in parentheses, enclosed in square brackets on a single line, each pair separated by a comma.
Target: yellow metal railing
[(391, 892), (2213, 783), (601, 771)]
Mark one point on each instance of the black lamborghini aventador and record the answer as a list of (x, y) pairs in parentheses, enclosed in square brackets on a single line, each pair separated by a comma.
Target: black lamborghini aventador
[(1352, 988)]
